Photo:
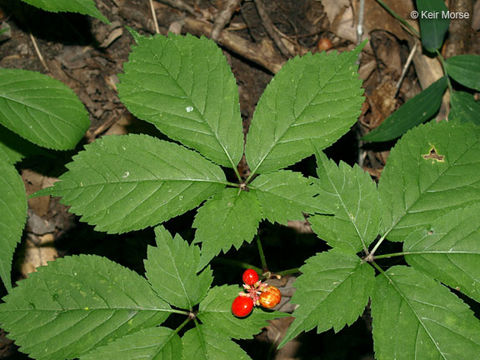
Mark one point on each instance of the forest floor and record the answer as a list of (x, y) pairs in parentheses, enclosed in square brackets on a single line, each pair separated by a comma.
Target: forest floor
[(257, 38)]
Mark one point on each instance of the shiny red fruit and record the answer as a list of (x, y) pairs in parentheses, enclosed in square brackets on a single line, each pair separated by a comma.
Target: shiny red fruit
[(250, 277), (270, 297), (242, 306)]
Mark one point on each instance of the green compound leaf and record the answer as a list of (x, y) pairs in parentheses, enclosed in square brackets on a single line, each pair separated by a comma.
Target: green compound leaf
[(450, 250), (184, 86), (433, 30), (85, 7), (77, 303), (171, 268), (313, 98), (216, 314), (286, 195), (465, 69), (13, 207), (434, 168), (201, 343), (415, 111), (124, 183), (352, 197), (332, 292), (41, 109), (414, 317), (228, 219), (464, 108), (157, 343)]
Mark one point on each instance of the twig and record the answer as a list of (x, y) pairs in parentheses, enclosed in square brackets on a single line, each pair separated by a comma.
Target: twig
[(179, 4), (262, 54), (405, 68), (224, 17), (271, 30), (39, 54), (154, 17)]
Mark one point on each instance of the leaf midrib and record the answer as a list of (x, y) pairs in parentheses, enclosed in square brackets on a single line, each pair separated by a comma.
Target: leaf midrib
[(159, 347), (295, 119), (195, 106), (65, 310), (319, 304), (344, 205), (398, 290), (42, 110), (441, 252), (141, 181), (179, 278)]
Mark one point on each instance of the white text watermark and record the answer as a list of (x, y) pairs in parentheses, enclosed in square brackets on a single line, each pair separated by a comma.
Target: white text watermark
[(435, 15)]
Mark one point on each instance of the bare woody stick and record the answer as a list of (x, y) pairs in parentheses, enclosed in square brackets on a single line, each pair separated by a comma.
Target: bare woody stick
[(154, 16), (262, 54), (224, 17), (405, 68), (179, 4), (271, 30), (39, 53)]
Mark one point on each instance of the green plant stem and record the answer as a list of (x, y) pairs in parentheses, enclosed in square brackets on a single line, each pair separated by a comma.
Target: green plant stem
[(400, 19), (228, 183), (403, 253), (237, 174), (288, 272), (261, 254), (177, 330), (370, 256), (237, 263), (380, 270), (387, 256), (444, 67), (249, 177), (181, 312)]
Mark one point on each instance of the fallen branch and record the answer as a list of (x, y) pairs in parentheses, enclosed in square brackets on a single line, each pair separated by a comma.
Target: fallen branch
[(179, 4), (271, 30), (262, 53), (224, 17)]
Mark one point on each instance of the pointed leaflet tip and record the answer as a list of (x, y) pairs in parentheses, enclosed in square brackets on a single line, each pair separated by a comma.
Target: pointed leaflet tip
[(171, 269), (332, 292), (239, 215), (136, 36)]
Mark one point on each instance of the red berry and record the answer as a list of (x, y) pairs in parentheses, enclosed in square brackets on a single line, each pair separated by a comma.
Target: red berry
[(270, 297), (250, 277), (242, 306)]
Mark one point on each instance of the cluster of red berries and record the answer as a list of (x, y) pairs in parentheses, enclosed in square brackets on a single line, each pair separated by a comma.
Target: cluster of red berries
[(257, 293)]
